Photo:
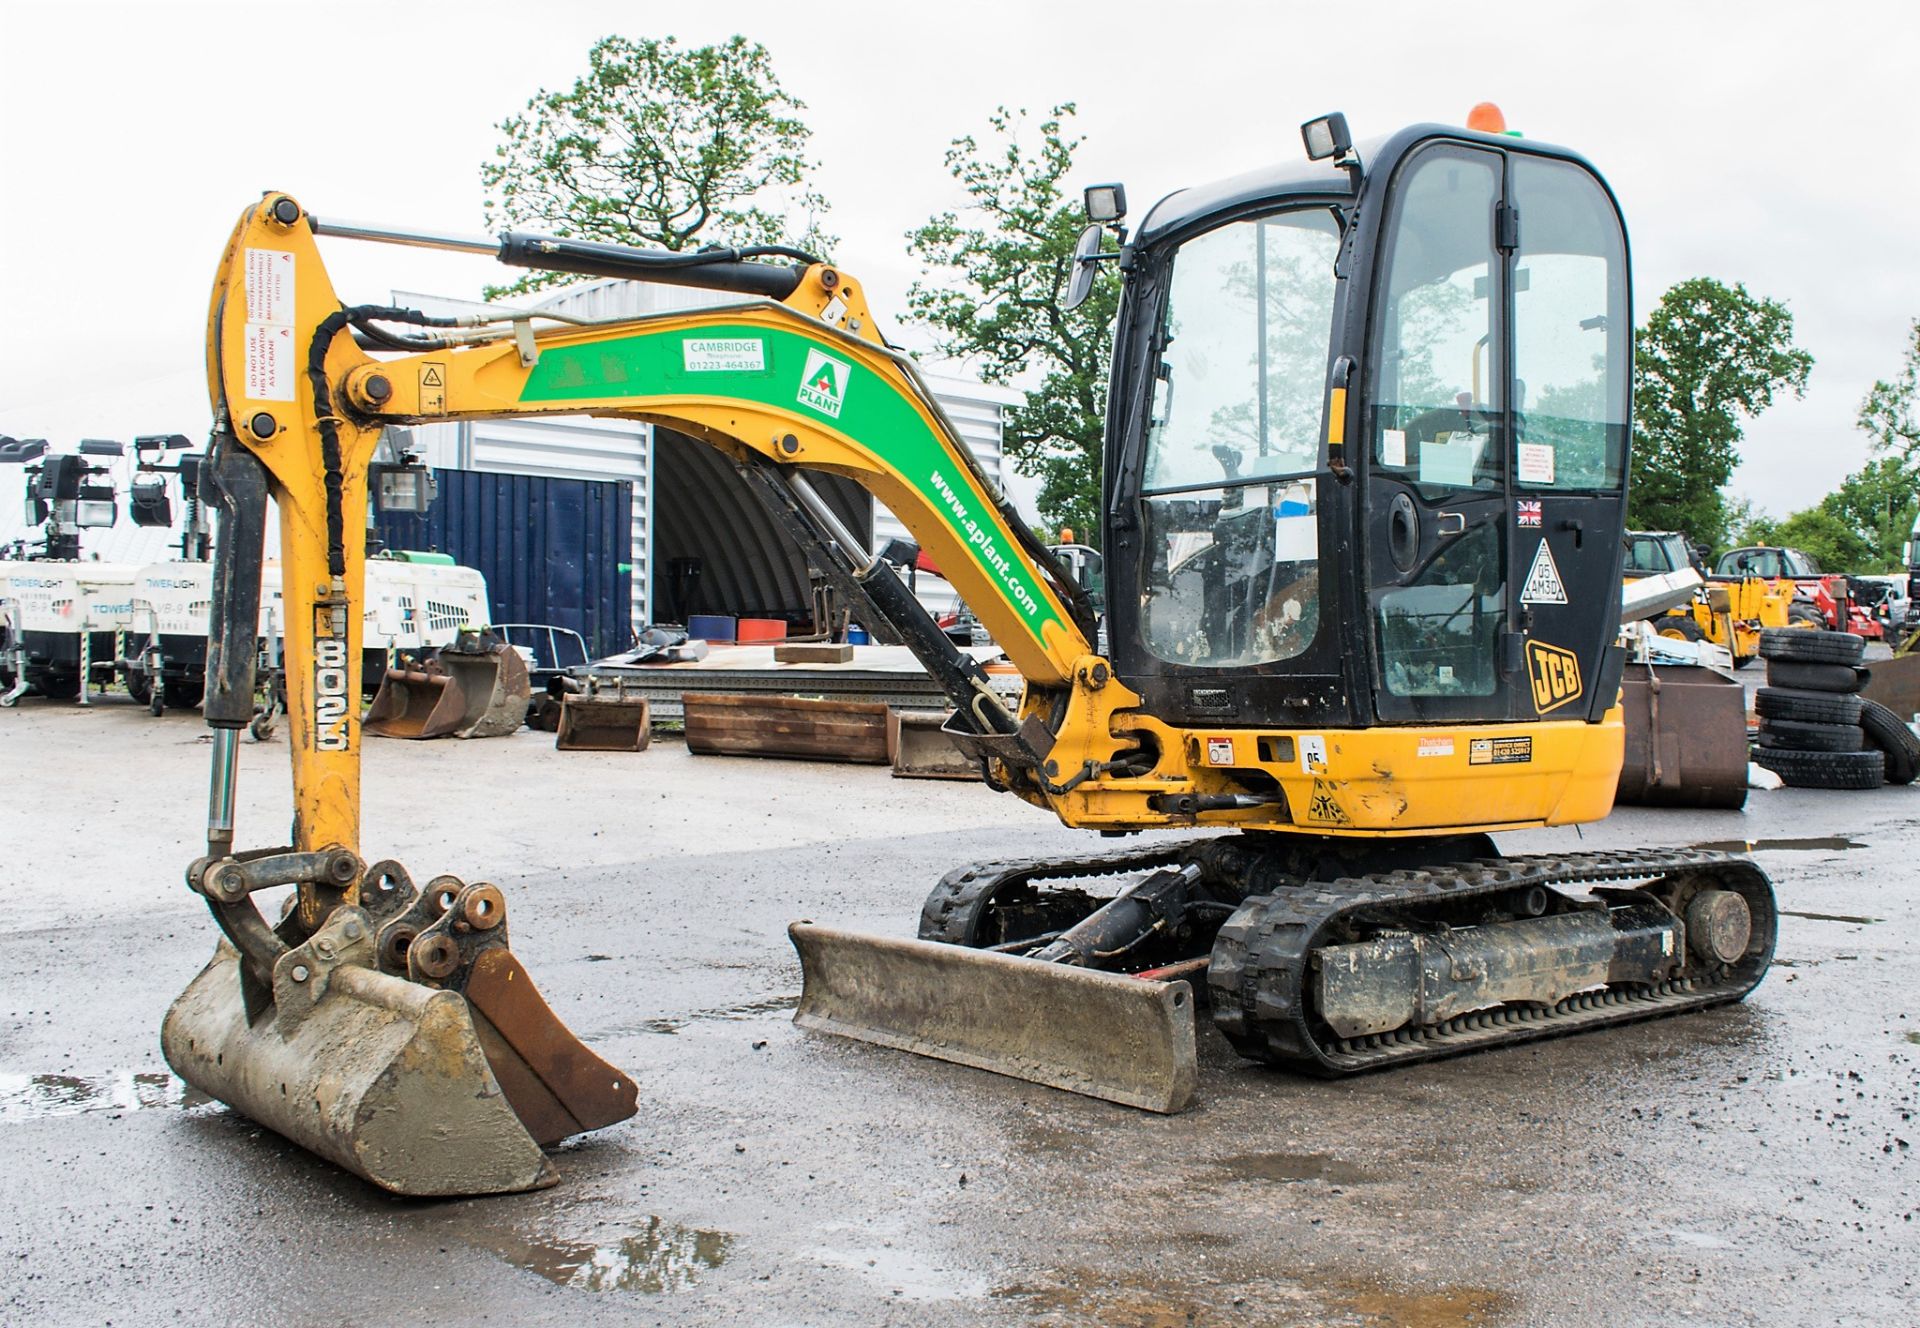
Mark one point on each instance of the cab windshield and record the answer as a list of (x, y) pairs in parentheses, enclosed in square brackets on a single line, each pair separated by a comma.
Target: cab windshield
[(1229, 489)]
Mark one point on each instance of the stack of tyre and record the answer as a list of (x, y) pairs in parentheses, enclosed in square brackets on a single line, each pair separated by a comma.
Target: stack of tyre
[(1816, 730)]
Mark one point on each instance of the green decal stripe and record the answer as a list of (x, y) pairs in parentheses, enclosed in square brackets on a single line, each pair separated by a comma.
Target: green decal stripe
[(873, 412)]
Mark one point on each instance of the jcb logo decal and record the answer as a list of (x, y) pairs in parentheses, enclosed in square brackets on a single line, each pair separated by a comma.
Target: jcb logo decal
[(330, 694), (1555, 674)]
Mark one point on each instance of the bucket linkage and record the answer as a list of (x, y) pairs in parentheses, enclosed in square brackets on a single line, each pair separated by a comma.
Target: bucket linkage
[(400, 1038)]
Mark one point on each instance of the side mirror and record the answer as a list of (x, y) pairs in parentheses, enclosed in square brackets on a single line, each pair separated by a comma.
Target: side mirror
[(1085, 256)]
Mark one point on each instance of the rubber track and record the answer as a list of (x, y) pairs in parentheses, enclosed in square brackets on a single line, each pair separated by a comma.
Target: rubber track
[(949, 908), (1261, 960)]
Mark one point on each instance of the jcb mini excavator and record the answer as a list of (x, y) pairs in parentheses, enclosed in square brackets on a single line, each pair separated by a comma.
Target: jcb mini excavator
[(1363, 501)]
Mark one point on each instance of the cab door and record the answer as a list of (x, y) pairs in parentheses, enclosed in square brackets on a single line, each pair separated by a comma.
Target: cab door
[(1572, 360), (1497, 412), (1437, 503)]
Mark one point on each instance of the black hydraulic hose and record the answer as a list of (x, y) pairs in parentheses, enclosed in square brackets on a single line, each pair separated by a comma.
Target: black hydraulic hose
[(235, 481), (332, 461)]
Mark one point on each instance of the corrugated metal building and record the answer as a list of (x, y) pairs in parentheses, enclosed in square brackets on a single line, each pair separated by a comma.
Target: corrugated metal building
[(688, 507)]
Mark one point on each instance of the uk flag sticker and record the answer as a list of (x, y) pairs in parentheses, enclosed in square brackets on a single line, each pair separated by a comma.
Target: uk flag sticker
[(1529, 513)]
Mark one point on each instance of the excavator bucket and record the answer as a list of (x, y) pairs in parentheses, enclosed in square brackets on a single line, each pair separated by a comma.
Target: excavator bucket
[(597, 722), (431, 1087), (1106, 1035), (474, 688)]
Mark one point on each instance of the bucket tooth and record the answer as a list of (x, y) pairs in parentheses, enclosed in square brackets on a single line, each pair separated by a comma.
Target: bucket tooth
[(1105, 1035)]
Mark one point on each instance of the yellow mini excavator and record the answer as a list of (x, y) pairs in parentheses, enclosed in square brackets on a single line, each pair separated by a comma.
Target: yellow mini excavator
[(1364, 489)]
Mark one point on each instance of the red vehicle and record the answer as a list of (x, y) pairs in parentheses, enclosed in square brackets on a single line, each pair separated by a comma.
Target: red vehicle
[(1822, 599)]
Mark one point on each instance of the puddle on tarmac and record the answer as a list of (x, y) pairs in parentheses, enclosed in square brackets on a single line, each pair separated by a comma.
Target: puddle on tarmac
[(905, 1275), (1292, 1167), (31, 1097), (660, 1257), (730, 1013), (1829, 843)]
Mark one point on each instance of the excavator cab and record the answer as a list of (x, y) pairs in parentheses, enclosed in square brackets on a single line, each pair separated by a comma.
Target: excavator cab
[(1365, 461)]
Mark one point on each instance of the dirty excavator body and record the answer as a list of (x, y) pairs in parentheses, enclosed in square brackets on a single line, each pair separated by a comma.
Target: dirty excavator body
[(1363, 501)]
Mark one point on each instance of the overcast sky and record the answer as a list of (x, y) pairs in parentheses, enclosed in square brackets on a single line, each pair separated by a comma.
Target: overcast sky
[(1776, 144)]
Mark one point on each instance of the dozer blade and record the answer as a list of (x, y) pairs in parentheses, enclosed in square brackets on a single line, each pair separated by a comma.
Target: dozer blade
[(1105, 1035), (604, 724)]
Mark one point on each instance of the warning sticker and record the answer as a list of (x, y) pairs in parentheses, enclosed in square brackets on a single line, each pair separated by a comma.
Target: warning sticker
[(433, 388), (1324, 807), (1435, 747), (1219, 751), (1543, 582), (724, 354), (270, 373), (269, 286), (1499, 751)]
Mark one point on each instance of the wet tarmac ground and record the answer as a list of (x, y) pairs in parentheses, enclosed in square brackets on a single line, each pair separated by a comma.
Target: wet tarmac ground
[(1753, 1164)]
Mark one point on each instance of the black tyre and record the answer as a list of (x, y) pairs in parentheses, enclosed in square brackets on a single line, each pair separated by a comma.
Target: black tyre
[(57, 686), (1800, 736), (1796, 643), (1680, 628), (1827, 770), (1837, 678), (1806, 615), (1894, 740), (139, 685), (1807, 707), (183, 693)]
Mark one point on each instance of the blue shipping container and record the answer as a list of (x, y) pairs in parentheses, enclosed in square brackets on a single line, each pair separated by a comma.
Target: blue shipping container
[(553, 550)]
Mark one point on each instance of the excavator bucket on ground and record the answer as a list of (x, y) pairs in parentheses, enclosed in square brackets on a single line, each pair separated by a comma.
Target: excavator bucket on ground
[(402, 1040), (1108, 1035), (603, 722), (474, 688)]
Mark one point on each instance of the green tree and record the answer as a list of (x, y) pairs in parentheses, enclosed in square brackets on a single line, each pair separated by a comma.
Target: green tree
[(1710, 358), (993, 296), (658, 146), (1878, 503), (1825, 534), (1889, 411)]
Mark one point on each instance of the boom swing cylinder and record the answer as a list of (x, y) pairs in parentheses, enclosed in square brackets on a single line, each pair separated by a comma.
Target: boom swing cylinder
[(1364, 484)]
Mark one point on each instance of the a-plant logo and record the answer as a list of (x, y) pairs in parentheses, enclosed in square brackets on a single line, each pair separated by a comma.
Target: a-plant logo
[(1555, 674), (824, 385)]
